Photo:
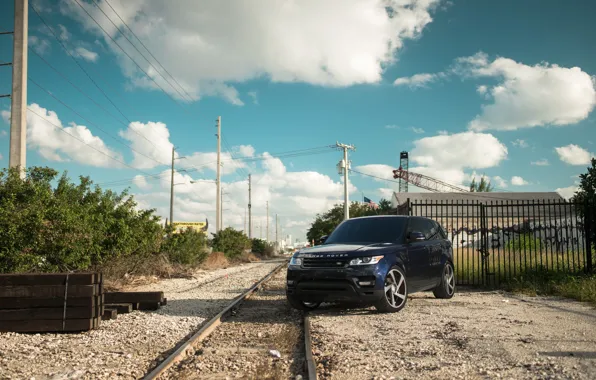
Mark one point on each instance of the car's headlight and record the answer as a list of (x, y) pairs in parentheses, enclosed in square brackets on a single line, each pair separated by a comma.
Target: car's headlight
[(297, 261), (366, 260)]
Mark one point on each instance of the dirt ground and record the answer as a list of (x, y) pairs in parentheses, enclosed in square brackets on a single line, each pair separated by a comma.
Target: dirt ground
[(475, 335)]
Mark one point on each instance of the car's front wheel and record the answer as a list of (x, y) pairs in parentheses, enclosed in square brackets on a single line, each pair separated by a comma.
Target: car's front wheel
[(446, 288), (395, 295), (302, 305)]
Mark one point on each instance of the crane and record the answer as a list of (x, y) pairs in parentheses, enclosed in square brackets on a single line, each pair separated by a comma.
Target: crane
[(425, 182)]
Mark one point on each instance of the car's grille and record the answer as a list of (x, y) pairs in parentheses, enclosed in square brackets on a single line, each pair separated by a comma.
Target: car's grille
[(324, 262)]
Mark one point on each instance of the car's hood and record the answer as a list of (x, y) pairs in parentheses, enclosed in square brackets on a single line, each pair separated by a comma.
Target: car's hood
[(345, 250)]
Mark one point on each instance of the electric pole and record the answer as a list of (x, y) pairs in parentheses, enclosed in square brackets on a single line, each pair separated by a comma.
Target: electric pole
[(276, 239), (18, 111), (344, 165), (218, 180), (172, 190), (267, 237), (249, 209)]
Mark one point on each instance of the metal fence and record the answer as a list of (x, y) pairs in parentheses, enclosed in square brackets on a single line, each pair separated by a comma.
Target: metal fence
[(496, 241)]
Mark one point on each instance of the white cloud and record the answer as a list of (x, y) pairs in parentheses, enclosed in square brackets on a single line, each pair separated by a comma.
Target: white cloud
[(529, 96), (418, 80), (86, 54), (1, 157), (518, 181), (500, 182), (383, 172), (481, 89), (520, 143), (417, 130), (141, 182), (254, 96), (567, 192), (63, 34), (39, 45), (443, 133), (391, 126), (55, 142), (574, 155), (246, 150), (151, 144), (3, 133), (541, 162), (346, 42)]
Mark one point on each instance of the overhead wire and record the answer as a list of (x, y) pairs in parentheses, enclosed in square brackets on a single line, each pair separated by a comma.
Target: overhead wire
[(90, 122), (61, 129), (293, 153), (65, 48), (134, 46), (128, 55), (146, 48)]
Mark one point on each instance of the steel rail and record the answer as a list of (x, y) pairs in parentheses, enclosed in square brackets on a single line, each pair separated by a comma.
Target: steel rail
[(180, 353), (311, 365)]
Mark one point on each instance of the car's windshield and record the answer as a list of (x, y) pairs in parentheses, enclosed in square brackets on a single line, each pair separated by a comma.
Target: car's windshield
[(368, 231)]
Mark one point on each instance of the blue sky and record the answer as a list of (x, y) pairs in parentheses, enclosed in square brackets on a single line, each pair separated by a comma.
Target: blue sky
[(499, 87)]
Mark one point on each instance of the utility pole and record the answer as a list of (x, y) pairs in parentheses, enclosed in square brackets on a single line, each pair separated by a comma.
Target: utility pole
[(344, 165), (218, 180), (172, 190), (249, 209), (261, 229), (18, 110), (276, 239), (267, 238)]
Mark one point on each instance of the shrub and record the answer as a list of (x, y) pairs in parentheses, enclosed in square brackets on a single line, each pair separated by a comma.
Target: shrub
[(525, 243), (70, 226), (187, 247), (230, 241), (216, 260)]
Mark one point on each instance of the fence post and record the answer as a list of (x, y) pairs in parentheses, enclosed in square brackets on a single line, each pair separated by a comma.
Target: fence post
[(589, 211), (408, 207)]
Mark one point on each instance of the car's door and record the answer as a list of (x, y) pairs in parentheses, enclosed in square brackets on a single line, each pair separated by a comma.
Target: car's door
[(418, 256), (435, 245)]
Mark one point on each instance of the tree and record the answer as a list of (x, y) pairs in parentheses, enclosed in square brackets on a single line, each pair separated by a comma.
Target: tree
[(585, 199), (325, 223), (231, 242), (483, 187)]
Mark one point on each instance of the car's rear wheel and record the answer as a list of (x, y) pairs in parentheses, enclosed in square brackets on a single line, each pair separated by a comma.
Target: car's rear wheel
[(301, 305), (446, 288), (395, 295)]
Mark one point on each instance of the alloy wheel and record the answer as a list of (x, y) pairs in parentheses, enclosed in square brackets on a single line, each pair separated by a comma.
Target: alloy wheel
[(449, 279), (395, 288)]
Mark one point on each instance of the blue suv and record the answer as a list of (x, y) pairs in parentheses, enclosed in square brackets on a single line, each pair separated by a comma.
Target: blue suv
[(376, 260)]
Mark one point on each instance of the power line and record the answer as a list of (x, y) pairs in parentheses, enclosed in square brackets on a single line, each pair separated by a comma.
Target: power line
[(94, 102), (149, 51), (294, 153), (89, 145), (82, 68), (133, 45), (90, 122), (128, 55)]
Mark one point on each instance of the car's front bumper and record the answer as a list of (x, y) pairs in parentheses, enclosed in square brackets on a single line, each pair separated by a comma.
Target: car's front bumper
[(352, 284)]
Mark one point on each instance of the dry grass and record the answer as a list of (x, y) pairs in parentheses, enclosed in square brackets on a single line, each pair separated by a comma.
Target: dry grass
[(247, 257), (216, 260), (131, 271), (268, 369)]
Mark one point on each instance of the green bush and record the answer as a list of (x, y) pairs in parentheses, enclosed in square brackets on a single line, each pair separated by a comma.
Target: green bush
[(187, 247), (525, 243), (231, 242), (68, 226)]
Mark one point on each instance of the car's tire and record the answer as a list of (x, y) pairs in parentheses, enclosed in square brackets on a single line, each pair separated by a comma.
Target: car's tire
[(301, 305), (395, 294), (446, 288)]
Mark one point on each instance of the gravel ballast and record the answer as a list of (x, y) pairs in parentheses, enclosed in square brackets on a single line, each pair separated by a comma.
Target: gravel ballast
[(262, 339), (127, 347), (475, 335)]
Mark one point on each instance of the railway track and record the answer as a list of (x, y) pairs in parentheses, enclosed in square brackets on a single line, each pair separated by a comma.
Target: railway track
[(256, 335)]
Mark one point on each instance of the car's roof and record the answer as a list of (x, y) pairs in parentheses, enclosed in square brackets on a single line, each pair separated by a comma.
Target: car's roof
[(380, 216)]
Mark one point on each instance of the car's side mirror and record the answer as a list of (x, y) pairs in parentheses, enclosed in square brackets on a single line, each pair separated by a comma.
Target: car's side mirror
[(416, 236), (323, 238)]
